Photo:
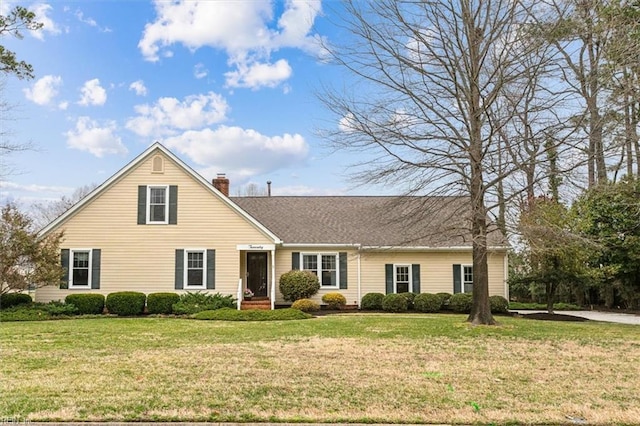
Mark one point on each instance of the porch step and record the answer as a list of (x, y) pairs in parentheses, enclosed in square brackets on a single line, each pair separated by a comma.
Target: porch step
[(264, 304)]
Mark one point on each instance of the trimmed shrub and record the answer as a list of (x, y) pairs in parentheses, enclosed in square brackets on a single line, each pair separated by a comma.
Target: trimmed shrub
[(228, 314), (126, 303), (86, 304), (56, 308), (334, 300), (444, 298), (372, 302), (461, 303), (499, 305), (161, 303), (14, 299), (191, 303), (296, 284), (427, 302), (410, 298), (395, 303), (305, 305)]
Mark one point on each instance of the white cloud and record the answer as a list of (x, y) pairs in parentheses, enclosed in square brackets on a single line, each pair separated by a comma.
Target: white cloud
[(138, 87), (91, 22), (300, 190), (92, 93), (44, 89), (41, 11), (241, 153), (63, 105), (169, 115), (199, 71), (34, 187), (90, 136), (259, 75), (241, 29)]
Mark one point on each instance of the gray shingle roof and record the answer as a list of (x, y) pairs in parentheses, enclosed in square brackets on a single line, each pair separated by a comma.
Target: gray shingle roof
[(369, 221)]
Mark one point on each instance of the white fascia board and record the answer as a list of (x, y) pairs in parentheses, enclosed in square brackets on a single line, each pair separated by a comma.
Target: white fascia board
[(314, 245), (429, 249), (133, 163)]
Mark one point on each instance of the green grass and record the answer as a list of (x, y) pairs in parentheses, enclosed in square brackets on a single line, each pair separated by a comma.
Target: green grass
[(407, 368)]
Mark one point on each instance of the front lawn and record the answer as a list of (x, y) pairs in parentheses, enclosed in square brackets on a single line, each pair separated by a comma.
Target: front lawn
[(354, 368)]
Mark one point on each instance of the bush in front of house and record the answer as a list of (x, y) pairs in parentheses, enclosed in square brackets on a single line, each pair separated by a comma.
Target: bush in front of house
[(193, 302), (56, 308), (228, 314), (427, 302), (461, 303), (410, 298), (334, 300), (126, 303), (395, 303), (86, 304), (297, 284), (161, 303), (444, 297), (499, 305), (372, 302), (14, 299), (305, 305)]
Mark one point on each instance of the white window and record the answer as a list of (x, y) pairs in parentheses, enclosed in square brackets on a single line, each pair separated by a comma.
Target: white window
[(195, 268), (402, 282), (157, 204), (467, 278), (80, 273), (324, 265)]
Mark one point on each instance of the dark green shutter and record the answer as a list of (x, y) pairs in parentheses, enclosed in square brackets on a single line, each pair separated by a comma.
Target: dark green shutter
[(95, 268), (64, 260), (415, 271), (179, 269), (295, 260), (342, 260), (142, 205), (173, 205), (388, 275), (211, 269), (457, 279)]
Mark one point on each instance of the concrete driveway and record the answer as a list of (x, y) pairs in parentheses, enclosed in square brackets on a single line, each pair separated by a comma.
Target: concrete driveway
[(596, 316)]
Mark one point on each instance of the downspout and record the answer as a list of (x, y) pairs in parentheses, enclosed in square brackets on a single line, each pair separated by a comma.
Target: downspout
[(359, 281), (506, 275), (273, 279)]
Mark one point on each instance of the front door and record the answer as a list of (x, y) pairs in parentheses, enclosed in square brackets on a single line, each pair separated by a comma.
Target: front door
[(257, 273)]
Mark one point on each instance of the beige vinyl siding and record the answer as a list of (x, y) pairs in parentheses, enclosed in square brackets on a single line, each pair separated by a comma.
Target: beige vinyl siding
[(283, 264), (142, 257), (436, 270)]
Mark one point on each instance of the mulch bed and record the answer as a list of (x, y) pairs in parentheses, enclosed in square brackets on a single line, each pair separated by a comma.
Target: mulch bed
[(545, 316)]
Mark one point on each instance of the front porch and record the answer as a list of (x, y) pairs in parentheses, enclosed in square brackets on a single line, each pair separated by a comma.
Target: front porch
[(256, 285)]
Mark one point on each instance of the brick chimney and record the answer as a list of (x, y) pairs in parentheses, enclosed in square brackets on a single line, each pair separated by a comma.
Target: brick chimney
[(221, 183)]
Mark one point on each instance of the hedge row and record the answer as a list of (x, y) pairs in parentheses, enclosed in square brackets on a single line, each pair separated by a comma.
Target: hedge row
[(428, 302), (131, 303)]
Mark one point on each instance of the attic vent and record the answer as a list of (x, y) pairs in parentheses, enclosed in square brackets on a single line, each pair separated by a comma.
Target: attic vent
[(158, 164)]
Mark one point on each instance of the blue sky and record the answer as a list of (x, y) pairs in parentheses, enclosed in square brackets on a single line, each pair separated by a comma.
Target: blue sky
[(226, 85)]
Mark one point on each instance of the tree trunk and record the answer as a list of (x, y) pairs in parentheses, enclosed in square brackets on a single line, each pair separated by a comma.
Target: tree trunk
[(480, 310), (549, 290)]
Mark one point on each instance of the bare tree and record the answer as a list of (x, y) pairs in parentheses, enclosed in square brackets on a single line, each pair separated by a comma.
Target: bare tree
[(44, 212), (251, 190), (427, 76)]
